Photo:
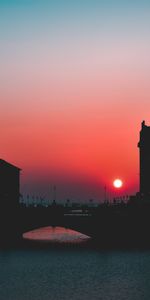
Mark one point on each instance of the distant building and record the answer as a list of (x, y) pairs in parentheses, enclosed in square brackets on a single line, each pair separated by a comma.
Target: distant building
[(144, 148), (9, 185)]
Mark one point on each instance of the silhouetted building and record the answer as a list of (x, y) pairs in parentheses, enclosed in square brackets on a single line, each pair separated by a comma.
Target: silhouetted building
[(144, 148), (9, 185)]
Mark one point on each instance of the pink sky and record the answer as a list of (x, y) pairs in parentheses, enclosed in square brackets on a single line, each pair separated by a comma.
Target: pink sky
[(73, 95)]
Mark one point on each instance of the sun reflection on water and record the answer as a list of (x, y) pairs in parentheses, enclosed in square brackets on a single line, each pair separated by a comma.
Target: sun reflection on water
[(56, 235)]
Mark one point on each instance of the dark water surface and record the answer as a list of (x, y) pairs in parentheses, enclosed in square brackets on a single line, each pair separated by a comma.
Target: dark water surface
[(75, 273)]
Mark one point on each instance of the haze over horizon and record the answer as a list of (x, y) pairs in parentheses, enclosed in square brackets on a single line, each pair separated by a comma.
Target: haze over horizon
[(74, 90)]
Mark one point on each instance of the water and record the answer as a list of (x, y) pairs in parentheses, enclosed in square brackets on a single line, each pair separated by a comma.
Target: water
[(53, 273)]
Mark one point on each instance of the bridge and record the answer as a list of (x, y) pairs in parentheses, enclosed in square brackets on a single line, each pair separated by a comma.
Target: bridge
[(106, 224), (15, 222)]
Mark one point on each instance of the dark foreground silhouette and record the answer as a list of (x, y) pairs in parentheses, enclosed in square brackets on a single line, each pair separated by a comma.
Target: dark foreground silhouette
[(109, 225)]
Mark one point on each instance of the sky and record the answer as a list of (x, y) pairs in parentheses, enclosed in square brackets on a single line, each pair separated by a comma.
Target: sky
[(74, 89)]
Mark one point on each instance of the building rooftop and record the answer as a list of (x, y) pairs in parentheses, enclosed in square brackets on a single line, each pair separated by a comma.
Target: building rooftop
[(5, 163)]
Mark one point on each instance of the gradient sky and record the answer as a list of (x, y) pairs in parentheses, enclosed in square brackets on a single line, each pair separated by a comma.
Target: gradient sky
[(74, 88)]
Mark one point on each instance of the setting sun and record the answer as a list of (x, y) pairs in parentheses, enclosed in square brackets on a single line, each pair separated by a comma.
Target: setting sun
[(117, 183)]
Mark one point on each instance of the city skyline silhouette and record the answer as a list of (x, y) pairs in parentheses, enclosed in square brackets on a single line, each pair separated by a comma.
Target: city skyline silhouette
[(11, 173)]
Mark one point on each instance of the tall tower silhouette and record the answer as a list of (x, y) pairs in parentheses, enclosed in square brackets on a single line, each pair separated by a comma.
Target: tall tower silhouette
[(144, 149)]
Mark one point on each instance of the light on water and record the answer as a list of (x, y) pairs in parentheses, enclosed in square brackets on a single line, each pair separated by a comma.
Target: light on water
[(56, 235)]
